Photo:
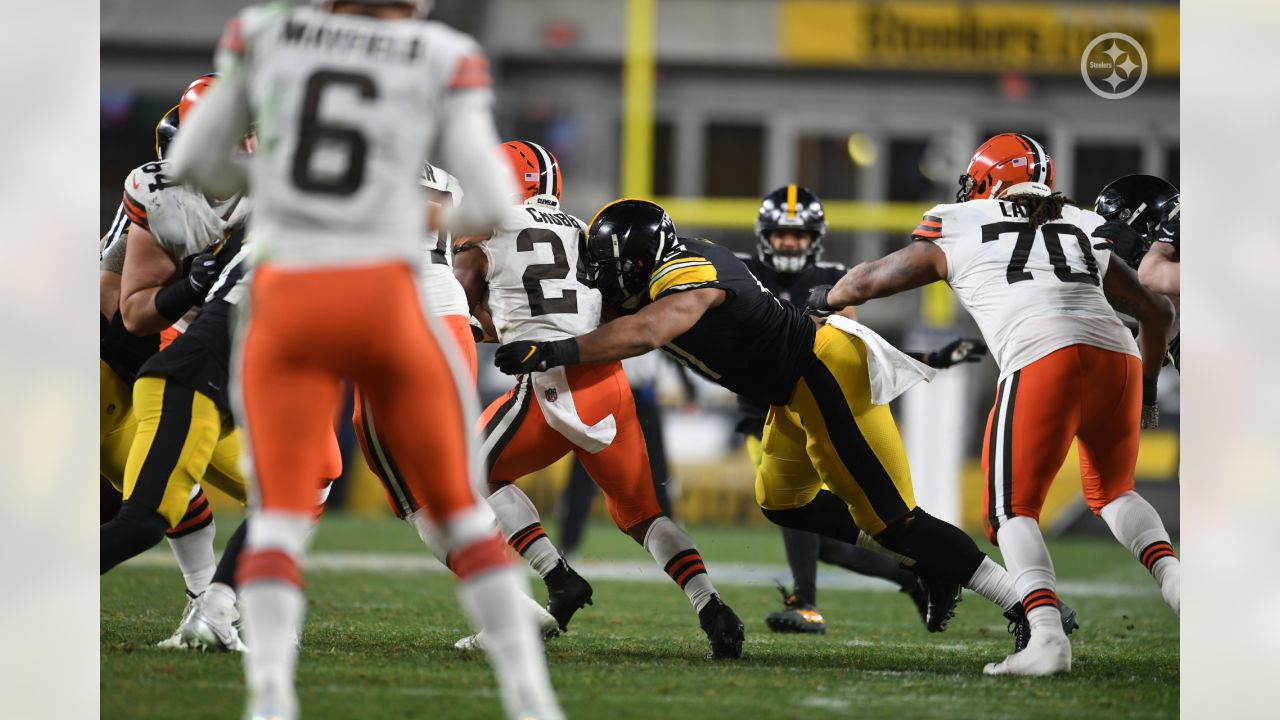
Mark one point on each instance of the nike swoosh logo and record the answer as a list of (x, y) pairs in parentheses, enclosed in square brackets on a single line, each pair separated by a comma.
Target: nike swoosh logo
[(532, 351)]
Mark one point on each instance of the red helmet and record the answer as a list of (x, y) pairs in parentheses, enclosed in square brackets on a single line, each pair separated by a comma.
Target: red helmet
[(192, 95), (1007, 163), (537, 172)]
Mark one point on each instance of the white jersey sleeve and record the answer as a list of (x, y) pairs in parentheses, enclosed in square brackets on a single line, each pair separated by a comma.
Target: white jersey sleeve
[(180, 218), (1031, 291), (534, 290)]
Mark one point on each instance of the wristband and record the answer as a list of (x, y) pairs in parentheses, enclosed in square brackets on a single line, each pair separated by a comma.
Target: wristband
[(174, 300), (1149, 390)]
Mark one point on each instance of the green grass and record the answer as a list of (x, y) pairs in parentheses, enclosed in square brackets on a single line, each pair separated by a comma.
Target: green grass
[(381, 645)]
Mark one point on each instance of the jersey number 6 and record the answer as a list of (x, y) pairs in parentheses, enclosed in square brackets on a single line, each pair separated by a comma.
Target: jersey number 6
[(534, 274), (1052, 233), (313, 133)]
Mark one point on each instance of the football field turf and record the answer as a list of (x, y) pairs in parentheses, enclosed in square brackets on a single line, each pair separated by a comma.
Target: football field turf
[(380, 633)]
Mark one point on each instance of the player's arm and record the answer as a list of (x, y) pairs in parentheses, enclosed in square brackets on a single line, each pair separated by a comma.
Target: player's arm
[(916, 265), (653, 326), (1155, 317), (1160, 269), (205, 153)]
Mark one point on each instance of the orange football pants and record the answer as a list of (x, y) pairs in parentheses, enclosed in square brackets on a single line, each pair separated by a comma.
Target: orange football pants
[(310, 329), (1079, 393), (518, 440), (376, 454)]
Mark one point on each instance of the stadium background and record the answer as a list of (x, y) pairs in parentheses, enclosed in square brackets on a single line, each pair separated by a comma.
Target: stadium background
[(708, 104)]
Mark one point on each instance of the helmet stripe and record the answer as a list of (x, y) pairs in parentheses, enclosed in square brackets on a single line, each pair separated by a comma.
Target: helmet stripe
[(792, 191)]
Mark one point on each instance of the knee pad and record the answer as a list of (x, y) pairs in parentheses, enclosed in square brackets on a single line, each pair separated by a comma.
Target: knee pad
[(940, 549)]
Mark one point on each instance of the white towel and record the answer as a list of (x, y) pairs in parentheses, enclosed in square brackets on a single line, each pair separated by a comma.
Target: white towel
[(891, 371), (551, 388)]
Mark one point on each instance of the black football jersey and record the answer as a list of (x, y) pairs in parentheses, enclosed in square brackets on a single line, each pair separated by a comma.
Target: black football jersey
[(792, 289), (751, 344)]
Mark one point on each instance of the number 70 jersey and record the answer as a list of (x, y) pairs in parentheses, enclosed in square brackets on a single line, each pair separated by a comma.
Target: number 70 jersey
[(534, 290), (1031, 291)]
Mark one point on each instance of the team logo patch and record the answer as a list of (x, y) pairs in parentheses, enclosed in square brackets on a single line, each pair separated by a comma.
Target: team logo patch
[(551, 394)]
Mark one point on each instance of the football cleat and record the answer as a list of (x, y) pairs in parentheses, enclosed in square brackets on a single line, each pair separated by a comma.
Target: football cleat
[(795, 617), (1045, 654), (1020, 627), (176, 641), (941, 598), (724, 630), (567, 594)]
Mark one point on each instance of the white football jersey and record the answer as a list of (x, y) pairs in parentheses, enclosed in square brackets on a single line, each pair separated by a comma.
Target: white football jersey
[(1031, 292), (534, 291), (346, 108), (180, 217)]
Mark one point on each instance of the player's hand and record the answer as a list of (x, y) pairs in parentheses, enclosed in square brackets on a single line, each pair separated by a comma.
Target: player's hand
[(526, 356), (817, 302), (964, 350), (1150, 411), (205, 269), (1126, 243)]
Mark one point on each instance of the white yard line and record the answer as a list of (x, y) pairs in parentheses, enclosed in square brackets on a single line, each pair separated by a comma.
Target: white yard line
[(636, 571)]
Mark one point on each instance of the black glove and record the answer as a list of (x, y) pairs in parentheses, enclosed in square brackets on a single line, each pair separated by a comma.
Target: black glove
[(1150, 411), (955, 352), (526, 356), (1126, 243), (175, 299), (817, 302)]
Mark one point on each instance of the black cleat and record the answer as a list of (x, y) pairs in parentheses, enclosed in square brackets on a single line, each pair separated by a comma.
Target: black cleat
[(1020, 627), (941, 598), (920, 599), (567, 592), (723, 628), (795, 617)]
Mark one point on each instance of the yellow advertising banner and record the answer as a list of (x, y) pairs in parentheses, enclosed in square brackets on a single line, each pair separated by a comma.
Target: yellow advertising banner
[(1038, 37)]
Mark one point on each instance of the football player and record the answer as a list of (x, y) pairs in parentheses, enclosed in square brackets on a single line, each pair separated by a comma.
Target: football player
[(527, 270), (828, 388), (790, 229), (1143, 223), (1019, 258), (349, 99)]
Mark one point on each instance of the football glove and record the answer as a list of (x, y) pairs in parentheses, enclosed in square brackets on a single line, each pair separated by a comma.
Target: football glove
[(1150, 411), (964, 350), (817, 302), (526, 356), (1126, 243)]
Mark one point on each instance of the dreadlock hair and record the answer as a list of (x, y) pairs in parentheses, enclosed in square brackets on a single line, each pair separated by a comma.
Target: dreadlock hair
[(1040, 209)]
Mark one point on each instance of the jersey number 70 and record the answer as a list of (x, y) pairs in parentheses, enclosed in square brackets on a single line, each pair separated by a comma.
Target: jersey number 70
[(1052, 233)]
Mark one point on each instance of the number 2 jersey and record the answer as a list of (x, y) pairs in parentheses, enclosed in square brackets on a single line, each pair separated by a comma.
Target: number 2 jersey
[(1031, 291), (534, 290)]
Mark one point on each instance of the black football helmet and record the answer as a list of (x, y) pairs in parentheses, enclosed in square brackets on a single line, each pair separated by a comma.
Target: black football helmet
[(1143, 202), (625, 242), (790, 207)]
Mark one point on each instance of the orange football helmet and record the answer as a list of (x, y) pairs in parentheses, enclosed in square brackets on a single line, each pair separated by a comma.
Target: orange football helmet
[(1007, 163), (536, 170)]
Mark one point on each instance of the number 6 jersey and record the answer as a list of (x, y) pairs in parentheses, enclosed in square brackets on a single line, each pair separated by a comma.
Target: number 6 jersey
[(534, 291), (1031, 291)]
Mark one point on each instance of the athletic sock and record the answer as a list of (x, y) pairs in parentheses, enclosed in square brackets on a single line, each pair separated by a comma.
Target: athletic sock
[(192, 543), (993, 583), (490, 592), (273, 606), (1031, 568), (802, 556), (864, 562), (675, 553), (1138, 527), (522, 527), (230, 560)]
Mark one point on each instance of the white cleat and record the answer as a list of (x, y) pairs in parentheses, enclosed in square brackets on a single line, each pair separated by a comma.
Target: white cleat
[(1046, 654), (547, 626), (176, 641)]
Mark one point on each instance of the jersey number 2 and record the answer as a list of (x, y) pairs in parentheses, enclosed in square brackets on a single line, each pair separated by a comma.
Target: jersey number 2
[(557, 269), (312, 133), (1052, 233)]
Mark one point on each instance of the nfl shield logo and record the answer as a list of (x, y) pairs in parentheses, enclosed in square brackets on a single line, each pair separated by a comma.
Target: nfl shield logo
[(551, 394)]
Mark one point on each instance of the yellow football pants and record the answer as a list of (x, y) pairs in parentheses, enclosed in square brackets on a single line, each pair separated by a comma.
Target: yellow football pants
[(180, 438), (830, 433)]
